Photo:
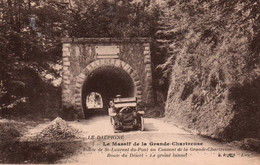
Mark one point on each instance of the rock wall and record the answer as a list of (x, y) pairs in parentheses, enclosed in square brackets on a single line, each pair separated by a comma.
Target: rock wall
[(215, 66), (204, 99)]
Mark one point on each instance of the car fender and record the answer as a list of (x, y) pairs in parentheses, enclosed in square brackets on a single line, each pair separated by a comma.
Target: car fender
[(141, 112)]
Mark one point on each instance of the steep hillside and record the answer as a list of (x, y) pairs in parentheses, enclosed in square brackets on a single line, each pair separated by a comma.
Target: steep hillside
[(215, 74)]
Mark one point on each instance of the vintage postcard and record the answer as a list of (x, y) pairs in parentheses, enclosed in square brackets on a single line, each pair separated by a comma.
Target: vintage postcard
[(156, 82)]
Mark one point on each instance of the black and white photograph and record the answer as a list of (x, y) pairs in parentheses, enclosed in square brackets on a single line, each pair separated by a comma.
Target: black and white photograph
[(132, 82)]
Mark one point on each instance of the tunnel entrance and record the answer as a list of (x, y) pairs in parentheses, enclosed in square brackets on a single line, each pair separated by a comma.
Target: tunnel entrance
[(94, 101), (108, 81)]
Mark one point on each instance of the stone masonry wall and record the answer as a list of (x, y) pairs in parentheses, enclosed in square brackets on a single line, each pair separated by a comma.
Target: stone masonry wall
[(78, 54)]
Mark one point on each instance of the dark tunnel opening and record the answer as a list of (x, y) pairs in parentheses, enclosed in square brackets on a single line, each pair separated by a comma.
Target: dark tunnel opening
[(108, 81)]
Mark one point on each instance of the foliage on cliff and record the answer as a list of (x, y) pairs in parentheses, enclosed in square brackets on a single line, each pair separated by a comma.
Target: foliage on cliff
[(113, 18), (214, 65)]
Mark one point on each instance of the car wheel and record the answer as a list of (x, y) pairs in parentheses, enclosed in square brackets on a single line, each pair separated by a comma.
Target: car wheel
[(113, 125), (110, 119), (141, 123)]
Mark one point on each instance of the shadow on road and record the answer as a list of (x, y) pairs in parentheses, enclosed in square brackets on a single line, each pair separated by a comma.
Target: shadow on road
[(149, 127), (98, 116), (95, 113)]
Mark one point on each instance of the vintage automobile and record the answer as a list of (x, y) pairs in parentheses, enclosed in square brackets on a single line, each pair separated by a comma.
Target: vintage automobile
[(123, 114)]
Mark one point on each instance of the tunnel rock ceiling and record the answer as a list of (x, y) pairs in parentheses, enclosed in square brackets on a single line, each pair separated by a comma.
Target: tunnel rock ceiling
[(109, 81)]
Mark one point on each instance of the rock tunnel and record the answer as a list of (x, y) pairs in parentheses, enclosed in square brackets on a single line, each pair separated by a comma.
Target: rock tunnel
[(108, 81)]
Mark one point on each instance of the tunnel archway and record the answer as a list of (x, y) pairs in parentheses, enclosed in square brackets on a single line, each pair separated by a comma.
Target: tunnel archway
[(108, 77), (109, 81)]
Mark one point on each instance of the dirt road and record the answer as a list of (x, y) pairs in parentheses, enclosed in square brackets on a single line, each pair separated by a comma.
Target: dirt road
[(160, 143)]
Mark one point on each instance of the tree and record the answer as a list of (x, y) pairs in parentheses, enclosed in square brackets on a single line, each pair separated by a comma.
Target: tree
[(115, 18), (29, 43), (30, 32)]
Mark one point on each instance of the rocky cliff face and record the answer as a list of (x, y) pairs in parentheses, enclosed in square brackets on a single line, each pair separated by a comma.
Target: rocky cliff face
[(205, 100), (215, 74)]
